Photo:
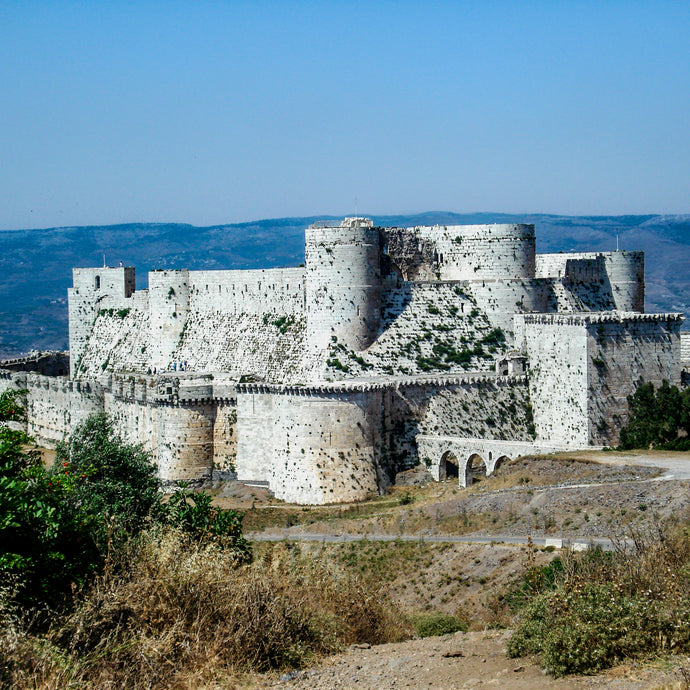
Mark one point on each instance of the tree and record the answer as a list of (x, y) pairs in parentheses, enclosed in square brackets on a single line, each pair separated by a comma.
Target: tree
[(45, 544), (658, 418), (57, 525), (114, 482)]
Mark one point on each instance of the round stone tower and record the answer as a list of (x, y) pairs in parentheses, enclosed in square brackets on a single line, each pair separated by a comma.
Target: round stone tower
[(625, 272), (504, 251), (343, 282)]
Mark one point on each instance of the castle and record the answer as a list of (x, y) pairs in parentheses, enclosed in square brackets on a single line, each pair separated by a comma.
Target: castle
[(457, 347)]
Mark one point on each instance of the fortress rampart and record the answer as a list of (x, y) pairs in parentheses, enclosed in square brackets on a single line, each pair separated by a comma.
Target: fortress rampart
[(324, 381), (343, 283)]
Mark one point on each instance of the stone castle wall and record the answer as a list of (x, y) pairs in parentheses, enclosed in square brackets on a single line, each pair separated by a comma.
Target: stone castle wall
[(619, 274), (341, 442), (343, 284), (583, 367), (246, 321), (385, 338), (622, 351), (482, 252), (557, 350)]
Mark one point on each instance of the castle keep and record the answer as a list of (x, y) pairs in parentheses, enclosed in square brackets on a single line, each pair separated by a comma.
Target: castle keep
[(455, 346)]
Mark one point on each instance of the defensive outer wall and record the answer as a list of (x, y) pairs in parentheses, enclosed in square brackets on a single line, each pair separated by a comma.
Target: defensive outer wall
[(454, 346)]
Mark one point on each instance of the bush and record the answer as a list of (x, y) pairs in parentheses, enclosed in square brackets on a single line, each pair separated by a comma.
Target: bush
[(598, 608), (46, 542), (595, 626), (657, 418), (435, 624), (114, 482), (58, 526), (193, 514)]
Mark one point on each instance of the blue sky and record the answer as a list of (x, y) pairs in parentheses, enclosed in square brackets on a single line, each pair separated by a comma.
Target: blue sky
[(214, 112)]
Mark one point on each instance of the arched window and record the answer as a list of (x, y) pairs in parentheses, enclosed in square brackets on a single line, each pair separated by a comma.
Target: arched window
[(97, 283)]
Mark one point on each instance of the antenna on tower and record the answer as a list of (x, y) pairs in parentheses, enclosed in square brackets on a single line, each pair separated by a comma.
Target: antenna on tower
[(616, 241), (103, 259)]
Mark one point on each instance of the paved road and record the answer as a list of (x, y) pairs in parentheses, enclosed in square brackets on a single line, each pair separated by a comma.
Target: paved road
[(519, 540)]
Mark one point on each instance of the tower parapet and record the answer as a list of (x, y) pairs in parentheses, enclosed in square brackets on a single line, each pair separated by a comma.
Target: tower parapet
[(343, 282), (619, 274), (502, 251)]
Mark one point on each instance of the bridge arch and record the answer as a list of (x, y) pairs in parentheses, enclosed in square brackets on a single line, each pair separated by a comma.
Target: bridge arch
[(475, 469), (449, 467), (502, 460), (475, 457)]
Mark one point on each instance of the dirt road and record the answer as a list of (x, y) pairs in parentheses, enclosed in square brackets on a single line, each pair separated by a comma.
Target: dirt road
[(463, 660)]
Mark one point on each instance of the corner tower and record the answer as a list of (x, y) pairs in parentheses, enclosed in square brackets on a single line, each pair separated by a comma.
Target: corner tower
[(94, 289), (343, 282)]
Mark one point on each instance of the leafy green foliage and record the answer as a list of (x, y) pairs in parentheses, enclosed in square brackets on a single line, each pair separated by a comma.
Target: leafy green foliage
[(594, 626), (659, 418), (434, 624), (112, 481), (45, 542), (193, 514), (588, 611), (57, 526)]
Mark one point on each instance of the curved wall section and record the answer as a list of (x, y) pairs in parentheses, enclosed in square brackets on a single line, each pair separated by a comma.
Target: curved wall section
[(483, 252), (626, 274), (312, 446), (185, 442), (343, 283), (331, 452)]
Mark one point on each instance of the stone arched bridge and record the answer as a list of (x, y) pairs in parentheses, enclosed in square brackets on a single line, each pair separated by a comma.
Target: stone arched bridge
[(452, 456)]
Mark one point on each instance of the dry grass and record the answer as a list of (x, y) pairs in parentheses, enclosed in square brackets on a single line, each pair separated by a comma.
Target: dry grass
[(167, 614)]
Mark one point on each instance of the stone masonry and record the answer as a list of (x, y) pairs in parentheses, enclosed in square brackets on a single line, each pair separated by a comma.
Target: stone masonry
[(454, 346)]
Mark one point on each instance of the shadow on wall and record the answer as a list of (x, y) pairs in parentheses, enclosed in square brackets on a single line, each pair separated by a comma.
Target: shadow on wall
[(393, 303)]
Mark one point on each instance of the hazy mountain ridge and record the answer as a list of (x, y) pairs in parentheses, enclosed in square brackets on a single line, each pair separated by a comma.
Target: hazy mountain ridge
[(37, 264)]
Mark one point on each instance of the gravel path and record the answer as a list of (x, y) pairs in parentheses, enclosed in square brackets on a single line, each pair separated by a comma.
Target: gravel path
[(463, 660)]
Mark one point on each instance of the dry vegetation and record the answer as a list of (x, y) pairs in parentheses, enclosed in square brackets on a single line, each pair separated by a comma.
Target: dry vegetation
[(170, 613), (167, 613), (548, 496)]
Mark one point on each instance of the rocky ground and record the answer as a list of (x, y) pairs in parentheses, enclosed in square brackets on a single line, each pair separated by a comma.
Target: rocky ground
[(462, 660)]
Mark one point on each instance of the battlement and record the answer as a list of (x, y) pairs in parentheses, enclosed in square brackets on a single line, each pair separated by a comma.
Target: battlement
[(353, 222), (51, 363), (609, 317), (397, 383)]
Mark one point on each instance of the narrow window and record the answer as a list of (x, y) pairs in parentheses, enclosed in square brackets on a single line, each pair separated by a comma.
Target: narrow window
[(97, 283)]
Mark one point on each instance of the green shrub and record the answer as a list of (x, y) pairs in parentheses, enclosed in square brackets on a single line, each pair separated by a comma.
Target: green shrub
[(112, 481), (405, 498), (657, 418), (193, 514), (595, 626), (435, 624), (46, 542), (58, 526)]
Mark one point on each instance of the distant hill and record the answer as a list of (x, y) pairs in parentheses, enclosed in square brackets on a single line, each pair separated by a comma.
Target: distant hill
[(37, 265)]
